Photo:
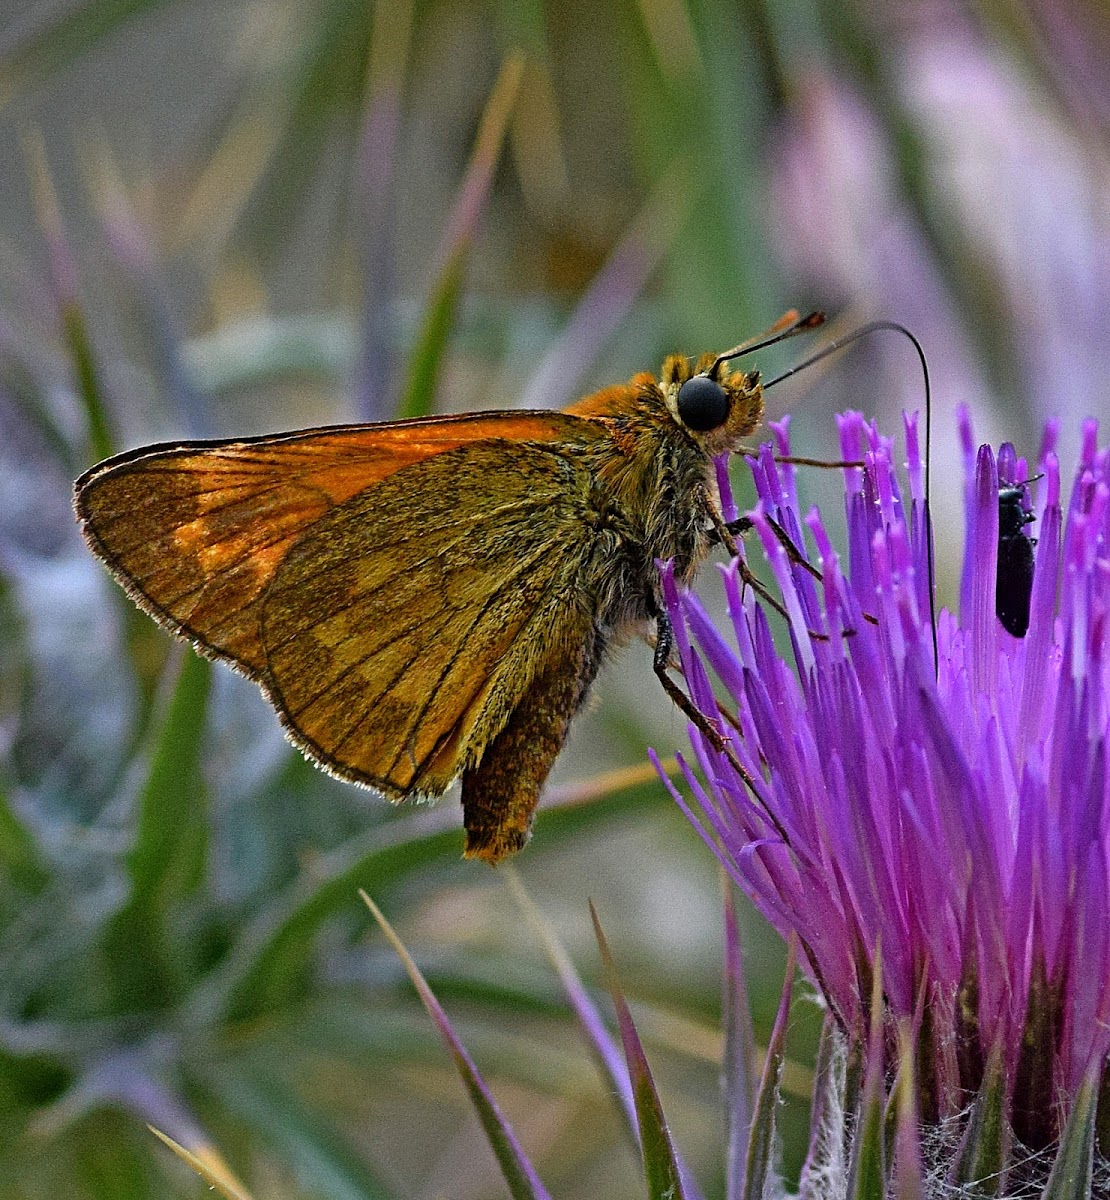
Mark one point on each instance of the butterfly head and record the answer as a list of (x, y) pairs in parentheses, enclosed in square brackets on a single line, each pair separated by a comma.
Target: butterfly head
[(719, 407)]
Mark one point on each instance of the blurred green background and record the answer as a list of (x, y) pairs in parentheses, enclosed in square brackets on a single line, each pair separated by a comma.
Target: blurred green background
[(232, 218)]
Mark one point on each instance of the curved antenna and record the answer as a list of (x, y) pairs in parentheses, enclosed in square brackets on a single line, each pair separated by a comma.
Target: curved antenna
[(787, 326), (846, 340)]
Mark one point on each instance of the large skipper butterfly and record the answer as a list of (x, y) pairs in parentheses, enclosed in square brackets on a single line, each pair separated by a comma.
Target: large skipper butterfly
[(431, 599)]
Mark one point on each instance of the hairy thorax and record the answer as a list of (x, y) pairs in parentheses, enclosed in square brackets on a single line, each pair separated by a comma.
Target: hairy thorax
[(650, 504)]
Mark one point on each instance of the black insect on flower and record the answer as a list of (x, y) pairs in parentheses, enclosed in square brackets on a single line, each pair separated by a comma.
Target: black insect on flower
[(1014, 580)]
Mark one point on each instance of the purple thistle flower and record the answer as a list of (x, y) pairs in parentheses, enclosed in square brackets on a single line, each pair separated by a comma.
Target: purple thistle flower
[(954, 813)]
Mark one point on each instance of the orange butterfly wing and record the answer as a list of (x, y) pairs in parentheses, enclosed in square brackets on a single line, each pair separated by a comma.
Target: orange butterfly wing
[(405, 628), (196, 531)]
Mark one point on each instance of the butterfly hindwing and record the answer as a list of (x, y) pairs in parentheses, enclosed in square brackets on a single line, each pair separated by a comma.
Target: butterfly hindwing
[(401, 633)]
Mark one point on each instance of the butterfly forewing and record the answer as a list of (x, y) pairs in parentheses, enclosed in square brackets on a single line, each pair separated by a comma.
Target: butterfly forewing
[(402, 633), (196, 531)]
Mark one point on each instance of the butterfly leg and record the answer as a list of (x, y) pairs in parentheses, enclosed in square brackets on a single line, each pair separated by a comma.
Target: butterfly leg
[(500, 793), (722, 530), (733, 529), (664, 643), (724, 533)]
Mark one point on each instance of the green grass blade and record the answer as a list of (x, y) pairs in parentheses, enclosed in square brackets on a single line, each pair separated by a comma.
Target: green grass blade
[(29, 394), (376, 206), (909, 1181), (20, 860), (156, 319), (208, 1165), (87, 376), (270, 960), (605, 1051), (104, 1157), (661, 1168), (539, 158), (313, 104), (690, 108), (167, 858), (63, 280), (739, 1056), (145, 644), (439, 317), (418, 398), (760, 1166), (165, 861), (520, 1175)]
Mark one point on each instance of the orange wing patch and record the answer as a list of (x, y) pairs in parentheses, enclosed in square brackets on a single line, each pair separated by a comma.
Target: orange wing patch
[(196, 531)]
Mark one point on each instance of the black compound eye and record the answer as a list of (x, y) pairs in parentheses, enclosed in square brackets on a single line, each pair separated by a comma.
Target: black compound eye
[(702, 404)]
